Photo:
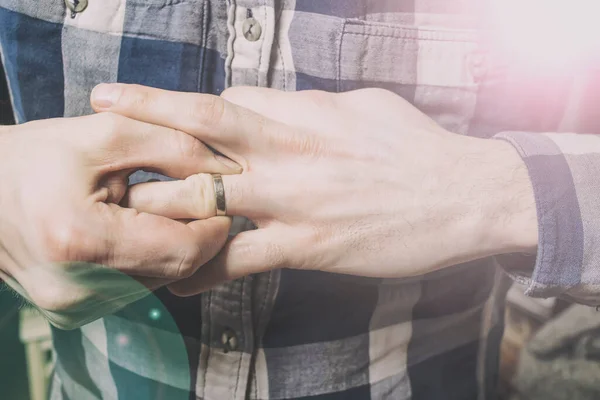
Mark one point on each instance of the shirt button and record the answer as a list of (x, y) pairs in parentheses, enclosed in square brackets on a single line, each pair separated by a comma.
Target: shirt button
[(229, 340), (252, 29), (76, 6)]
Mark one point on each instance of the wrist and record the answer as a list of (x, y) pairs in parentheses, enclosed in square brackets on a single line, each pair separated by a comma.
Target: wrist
[(508, 209)]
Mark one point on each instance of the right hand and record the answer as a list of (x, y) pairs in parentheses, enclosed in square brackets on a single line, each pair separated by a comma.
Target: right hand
[(61, 224)]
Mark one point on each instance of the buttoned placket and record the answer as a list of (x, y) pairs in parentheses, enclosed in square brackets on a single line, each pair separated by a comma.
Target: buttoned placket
[(252, 30), (235, 312), (227, 341)]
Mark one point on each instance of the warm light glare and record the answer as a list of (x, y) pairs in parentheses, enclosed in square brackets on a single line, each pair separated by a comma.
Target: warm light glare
[(548, 33)]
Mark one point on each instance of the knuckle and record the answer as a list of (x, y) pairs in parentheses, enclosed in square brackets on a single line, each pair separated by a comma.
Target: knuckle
[(202, 192), (207, 110), (66, 241), (234, 94), (376, 91), (189, 261), (372, 93), (274, 255), (60, 242), (319, 98)]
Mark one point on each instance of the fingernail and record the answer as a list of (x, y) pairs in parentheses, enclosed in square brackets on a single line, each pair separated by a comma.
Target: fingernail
[(105, 95), (230, 164)]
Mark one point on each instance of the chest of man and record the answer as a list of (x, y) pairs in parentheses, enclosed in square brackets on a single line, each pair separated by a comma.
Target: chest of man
[(448, 58)]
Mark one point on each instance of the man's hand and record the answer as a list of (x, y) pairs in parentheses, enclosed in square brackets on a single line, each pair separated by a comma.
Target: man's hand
[(60, 219), (360, 182)]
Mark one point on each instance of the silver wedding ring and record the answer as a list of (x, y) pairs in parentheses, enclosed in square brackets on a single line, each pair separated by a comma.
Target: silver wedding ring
[(220, 204)]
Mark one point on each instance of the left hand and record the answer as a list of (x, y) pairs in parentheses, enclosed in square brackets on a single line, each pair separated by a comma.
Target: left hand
[(359, 182)]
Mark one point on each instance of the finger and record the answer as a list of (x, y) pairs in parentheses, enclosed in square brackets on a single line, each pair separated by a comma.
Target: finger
[(115, 185), (137, 244), (230, 129), (191, 198), (247, 253), (168, 249), (124, 143)]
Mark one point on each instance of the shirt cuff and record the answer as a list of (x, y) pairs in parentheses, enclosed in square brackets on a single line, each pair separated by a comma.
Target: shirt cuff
[(559, 261)]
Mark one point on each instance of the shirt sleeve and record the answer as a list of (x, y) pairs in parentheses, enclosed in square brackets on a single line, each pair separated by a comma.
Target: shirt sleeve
[(564, 169)]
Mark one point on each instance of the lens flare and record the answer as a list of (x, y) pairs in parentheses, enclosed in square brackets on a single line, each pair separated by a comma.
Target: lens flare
[(555, 34), (122, 340), (154, 314)]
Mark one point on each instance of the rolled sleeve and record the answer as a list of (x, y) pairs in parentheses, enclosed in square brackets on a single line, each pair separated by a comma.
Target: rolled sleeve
[(565, 173)]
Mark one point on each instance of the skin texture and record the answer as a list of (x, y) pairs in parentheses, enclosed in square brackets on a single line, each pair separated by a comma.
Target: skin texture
[(62, 182), (359, 182)]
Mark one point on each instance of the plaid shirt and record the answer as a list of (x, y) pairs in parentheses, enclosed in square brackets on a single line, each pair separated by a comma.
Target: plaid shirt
[(292, 334)]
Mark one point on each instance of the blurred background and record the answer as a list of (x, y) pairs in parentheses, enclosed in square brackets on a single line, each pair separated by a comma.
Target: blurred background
[(550, 350)]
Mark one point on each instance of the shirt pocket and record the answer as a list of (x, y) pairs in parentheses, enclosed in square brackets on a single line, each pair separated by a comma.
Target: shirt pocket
[(45, 10), (431, 68)]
